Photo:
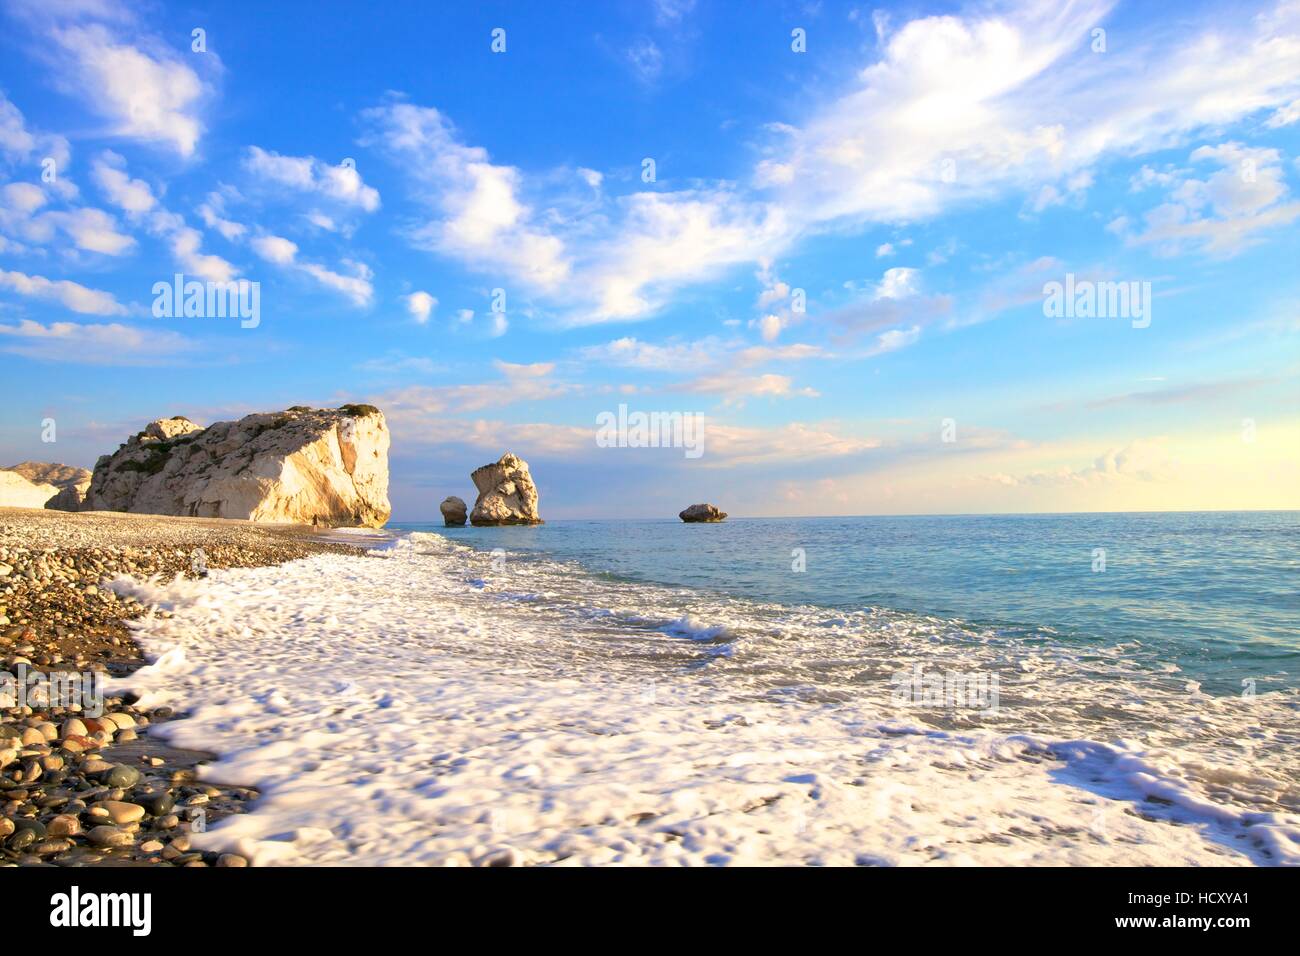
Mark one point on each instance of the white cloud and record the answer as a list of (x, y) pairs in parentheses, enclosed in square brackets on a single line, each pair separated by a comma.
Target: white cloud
[(149, 95), (898, 283), (1285, 116), (132, 196), (354, 284), (91, 229), (480, 217), (1141, 460), (421, 305), (212, 212), (734, 387), (275, 249), (1223, 213), (97, 344), (630, 352), (884, 249), (72, 295), (645, 59), (308, 174), (19, 144)]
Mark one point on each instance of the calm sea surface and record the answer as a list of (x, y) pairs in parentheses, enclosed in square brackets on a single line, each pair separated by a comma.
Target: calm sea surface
[(1214, 594)]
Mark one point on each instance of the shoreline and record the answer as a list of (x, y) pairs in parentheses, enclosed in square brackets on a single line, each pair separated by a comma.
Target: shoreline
[(75, 790)]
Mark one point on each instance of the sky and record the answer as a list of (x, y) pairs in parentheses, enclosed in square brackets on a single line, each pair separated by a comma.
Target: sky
[(827, 232)]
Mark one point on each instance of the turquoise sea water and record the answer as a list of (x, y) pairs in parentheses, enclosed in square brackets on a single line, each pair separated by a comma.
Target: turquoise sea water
[(1211, 594)]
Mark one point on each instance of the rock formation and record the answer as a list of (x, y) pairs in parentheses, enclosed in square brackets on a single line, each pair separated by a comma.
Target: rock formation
[(700, 513), (506, 493), (306, 466), (454, 513), (71, 482), (17, 492)]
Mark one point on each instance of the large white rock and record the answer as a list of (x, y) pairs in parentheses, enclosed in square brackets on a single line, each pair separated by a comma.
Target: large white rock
[(506, 493), (17, 492), (303, 466), (71, 482)]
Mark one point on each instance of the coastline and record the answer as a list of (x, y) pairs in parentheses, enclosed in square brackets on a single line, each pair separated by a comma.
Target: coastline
[(77, 791), (444, 704)]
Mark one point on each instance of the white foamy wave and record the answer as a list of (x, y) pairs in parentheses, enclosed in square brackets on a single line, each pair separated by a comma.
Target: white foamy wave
[(415, 709)]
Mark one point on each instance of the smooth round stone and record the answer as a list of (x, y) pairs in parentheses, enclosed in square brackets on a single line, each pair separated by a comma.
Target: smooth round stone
[(31, 737), (30, 823), (123, 776), (6, 827), (48, 847), (109, 837), (73, 727), (123, 813), (95, 765), (22, 839), (151, 846), (126, 735), (122, 721), (160, 805), (64, 825), (231, 859)]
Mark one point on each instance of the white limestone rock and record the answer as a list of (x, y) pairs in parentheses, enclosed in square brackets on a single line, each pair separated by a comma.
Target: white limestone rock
[(301, 466), (506, 493), (71, 482), (17, 492)]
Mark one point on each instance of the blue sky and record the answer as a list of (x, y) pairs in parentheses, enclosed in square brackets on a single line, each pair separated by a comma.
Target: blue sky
[(916, 176)]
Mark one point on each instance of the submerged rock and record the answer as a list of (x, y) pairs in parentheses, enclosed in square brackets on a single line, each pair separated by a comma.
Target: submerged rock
[(701, 513), (301, 466), (506, 493), (454, 512)]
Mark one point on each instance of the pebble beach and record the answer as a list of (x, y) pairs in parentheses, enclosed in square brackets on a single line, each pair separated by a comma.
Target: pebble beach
[(77, 789)]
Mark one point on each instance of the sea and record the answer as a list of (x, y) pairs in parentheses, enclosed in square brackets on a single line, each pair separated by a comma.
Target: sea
[(1101, 689)]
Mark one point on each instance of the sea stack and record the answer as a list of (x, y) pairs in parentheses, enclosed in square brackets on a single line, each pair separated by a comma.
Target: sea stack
[(454, 512), (506, 493), (326, 467), (702, 513)]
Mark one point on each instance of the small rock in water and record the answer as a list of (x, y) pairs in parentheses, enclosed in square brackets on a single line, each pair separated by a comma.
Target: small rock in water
[(123, 776), (110, 837)]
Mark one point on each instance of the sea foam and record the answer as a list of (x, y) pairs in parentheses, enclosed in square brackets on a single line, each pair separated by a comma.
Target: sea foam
[(410, 708)]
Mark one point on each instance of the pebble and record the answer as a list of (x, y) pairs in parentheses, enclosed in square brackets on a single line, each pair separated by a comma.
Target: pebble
[(160, 805), (64, 825), (231, 859), (121, 812), (110, 837), (122, 721), (123, 776)]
